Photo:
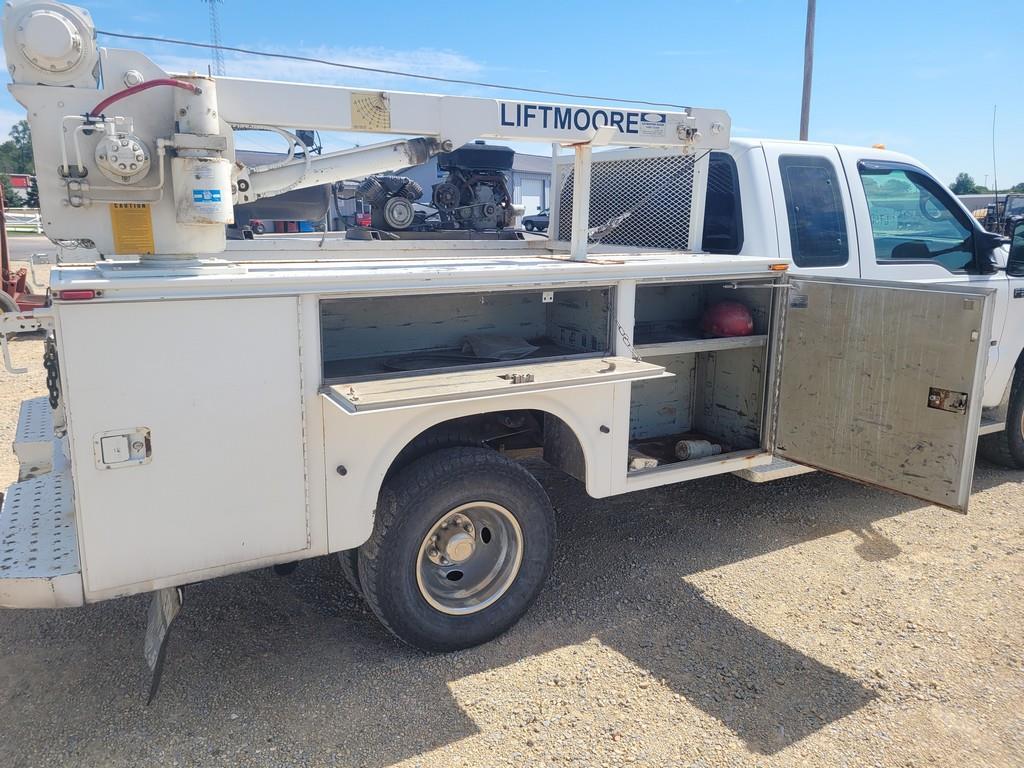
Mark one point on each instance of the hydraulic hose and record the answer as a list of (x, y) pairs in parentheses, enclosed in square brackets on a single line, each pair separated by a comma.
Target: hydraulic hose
[(130, 91)]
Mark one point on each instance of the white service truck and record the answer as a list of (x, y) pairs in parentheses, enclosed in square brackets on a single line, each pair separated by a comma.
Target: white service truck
[(218, 408)]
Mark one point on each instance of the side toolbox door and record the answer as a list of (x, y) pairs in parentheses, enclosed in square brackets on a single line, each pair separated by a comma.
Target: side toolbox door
[(882, 383)]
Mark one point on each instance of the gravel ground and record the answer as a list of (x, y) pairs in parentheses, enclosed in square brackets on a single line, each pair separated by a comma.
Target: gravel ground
[(808, 622)]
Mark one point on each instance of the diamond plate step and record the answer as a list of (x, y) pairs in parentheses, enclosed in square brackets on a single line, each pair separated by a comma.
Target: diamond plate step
[(39, 561), (33, 441)]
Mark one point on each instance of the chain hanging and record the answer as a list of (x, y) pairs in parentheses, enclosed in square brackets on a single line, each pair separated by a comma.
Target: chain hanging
[(52, 371), (626, 340)]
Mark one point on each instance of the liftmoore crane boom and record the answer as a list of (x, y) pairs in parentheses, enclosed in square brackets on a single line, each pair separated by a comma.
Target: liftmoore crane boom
[(133, 160)]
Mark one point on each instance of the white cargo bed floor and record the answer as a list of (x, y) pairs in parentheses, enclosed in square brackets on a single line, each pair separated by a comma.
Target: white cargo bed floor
[(39, 561), (33, 441)]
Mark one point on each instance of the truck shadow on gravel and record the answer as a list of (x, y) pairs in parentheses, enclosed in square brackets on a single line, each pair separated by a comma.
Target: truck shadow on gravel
[(297, 670)]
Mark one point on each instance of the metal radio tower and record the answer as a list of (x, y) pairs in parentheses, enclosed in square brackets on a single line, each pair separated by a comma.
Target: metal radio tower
[(216, 54)]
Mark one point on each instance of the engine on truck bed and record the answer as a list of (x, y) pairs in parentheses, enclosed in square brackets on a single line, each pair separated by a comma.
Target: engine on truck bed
[(474, 194)]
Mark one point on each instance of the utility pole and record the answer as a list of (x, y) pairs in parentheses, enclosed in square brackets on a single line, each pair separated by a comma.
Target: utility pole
[(805, 106)]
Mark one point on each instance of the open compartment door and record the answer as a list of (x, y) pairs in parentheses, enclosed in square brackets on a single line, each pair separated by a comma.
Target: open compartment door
[(882, 383)]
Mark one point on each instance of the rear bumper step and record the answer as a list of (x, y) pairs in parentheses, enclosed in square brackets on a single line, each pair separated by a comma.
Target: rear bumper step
[(33, 441), (778, 469), (39, 560), (989, 426)]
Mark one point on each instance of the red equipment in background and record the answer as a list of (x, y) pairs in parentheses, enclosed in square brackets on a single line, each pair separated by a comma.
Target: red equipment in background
[(15, 293)]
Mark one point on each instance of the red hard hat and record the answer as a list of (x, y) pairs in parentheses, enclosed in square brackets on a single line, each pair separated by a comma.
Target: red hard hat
[(727, 318)]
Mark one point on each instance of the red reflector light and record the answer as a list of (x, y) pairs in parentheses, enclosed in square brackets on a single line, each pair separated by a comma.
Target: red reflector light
[(76, 295)]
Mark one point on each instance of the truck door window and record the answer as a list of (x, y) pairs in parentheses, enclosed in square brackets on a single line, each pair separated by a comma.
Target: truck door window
[(814, 206), (723, 220), (912, 219)]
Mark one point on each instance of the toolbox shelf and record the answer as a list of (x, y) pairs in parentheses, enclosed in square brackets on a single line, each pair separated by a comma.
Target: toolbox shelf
[(394, 336), (685, 345)]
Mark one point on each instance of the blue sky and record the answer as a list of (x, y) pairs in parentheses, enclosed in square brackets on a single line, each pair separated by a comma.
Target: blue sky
[(921, 77)]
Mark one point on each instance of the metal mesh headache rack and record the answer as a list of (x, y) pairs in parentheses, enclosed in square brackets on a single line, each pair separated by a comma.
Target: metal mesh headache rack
[(639, 198)]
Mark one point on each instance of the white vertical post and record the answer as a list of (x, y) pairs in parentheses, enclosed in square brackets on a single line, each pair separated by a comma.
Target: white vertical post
[(554, 194), (580, 202), (625, 317)]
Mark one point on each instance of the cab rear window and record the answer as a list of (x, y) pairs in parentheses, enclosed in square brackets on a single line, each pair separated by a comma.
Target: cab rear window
[(723, 217), (814, 207)]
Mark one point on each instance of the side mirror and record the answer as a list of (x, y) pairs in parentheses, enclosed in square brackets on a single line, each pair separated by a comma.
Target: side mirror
[(1015, 262)]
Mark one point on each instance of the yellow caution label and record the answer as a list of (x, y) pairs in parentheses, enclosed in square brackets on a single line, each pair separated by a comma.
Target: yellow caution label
[(133, 228), (371, 111)]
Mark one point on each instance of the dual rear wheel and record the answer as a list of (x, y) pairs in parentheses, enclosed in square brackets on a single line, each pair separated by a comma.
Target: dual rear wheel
[(462, 542)]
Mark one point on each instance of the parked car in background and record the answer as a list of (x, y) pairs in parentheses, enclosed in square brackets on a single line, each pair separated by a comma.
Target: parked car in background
[(537, 222)]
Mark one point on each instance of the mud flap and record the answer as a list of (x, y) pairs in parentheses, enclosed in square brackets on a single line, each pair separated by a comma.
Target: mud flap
[(163, 610)]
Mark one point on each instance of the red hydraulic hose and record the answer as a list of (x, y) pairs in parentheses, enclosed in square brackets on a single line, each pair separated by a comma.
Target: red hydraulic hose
[(138, 88)]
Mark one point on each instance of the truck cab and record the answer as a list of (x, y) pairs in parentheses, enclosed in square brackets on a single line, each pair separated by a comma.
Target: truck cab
[(870, 213)]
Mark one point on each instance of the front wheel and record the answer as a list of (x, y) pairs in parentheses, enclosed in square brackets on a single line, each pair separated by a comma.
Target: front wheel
[(462, 543), (529, 226), (1006, 448)]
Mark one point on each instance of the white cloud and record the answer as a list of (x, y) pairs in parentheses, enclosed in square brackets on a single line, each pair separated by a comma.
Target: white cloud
[(8, 117), (421, 61)]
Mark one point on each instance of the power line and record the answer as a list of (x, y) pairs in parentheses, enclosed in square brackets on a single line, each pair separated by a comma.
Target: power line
[(377, 70)]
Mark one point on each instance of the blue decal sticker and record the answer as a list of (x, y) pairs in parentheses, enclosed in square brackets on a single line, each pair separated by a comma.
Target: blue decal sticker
[(205, 195)]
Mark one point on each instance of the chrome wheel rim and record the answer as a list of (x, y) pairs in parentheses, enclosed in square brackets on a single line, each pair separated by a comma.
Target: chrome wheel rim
[(469, 558)]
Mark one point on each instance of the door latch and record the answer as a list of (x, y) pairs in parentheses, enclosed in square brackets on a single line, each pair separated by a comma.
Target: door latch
[(517, 378), (122, 448)]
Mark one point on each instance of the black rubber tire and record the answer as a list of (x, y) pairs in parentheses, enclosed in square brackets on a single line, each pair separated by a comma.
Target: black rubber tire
[(260, 228), (1006, 448), (529, 226), (7, 304), (410, 504), (453, 436), (349, 560)]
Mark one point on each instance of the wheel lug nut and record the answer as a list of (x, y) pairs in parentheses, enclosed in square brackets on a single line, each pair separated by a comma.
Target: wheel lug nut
[(434, 553)]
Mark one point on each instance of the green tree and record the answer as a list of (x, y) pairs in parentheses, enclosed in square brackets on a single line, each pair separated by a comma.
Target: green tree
[(963, 184), (16, 153), (11, 198), (1017, 187), (21, 135)]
